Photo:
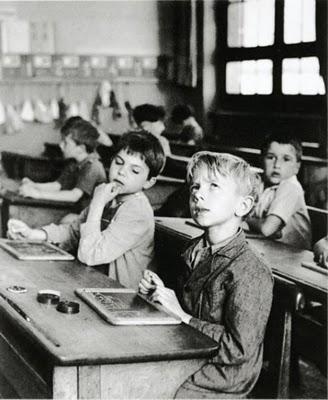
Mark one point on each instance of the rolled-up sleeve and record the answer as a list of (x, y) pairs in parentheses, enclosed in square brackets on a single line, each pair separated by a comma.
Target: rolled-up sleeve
[(66, 235), (247, 309), (124, 232), (285, 202)]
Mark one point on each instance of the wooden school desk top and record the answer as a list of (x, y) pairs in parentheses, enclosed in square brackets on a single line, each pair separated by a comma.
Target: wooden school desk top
[(284, 260), (85, 338)]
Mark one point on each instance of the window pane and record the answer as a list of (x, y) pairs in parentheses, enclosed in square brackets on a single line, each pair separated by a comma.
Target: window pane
[(308, 18), (299, 21), (265, 34), (251, 23), (235, 25), (248, 77), (264, 76), (302, 76), (292, 21), (233, 72)]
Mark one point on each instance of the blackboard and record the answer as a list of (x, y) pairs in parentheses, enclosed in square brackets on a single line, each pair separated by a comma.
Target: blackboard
[(34, 250), (126, 307)]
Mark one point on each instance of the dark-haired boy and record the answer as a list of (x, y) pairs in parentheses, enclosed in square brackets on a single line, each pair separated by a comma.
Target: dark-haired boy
[(150, 118), (79, 178), (281, 211), (118, 227)]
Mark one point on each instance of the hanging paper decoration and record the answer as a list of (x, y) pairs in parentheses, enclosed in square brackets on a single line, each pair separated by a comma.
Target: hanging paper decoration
[(41, 112), (54, 109), (73, 110), (13, 120), (27, 113), (2, 114), (83, 110)]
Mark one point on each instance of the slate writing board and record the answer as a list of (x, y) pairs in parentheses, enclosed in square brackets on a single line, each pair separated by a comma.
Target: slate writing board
[(126, 307), (34, 250)]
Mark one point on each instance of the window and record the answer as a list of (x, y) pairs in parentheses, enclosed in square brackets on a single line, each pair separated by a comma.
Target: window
[(272, 60), (251, 24)]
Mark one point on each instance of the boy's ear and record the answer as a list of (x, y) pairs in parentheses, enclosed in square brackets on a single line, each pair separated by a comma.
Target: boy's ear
[(244, 207), (148, 184)]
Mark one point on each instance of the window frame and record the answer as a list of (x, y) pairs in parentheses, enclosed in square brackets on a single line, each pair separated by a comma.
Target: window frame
[(276, 101)]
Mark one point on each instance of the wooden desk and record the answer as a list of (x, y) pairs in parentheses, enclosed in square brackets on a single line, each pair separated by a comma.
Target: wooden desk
[(35, 212), (284, 260), (81, 355)]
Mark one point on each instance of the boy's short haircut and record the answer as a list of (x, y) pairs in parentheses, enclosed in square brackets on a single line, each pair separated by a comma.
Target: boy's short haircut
[(229, 166), (148, 112), (283, 138), (69, 122), (82, 132), (145, 144), (181, 112)]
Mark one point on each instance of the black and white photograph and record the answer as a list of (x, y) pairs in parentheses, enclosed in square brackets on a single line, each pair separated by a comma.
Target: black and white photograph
[(163, 199)]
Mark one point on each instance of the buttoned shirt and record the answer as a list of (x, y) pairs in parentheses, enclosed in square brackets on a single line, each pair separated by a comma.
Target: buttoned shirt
[(287, 202)]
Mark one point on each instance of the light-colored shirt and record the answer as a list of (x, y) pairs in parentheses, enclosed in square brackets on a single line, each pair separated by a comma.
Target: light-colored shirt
[(287, 202), (125, 242)]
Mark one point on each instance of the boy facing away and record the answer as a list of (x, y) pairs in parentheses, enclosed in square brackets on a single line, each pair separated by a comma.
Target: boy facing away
[(227, 293), (150, 118), (78, 179), (281, 211), (118, 227)]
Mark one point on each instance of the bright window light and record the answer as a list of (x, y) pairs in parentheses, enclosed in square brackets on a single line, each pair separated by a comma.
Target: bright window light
[(249, 77), (299, 21), (302, 76), (251, 23)]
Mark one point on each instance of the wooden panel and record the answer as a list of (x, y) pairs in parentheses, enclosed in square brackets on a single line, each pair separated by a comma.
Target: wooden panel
[(63, 336), (65, 383), (19, 374), (158, 380), (89, 382)]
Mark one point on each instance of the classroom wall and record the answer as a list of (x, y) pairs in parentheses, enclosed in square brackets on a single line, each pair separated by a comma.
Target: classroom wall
[(125, 27), (96, 27)]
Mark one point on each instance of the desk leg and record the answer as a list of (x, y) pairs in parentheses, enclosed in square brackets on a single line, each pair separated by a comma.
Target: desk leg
[(4, 217), (65, 383)]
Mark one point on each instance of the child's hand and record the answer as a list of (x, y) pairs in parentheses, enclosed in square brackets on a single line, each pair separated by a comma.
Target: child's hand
[(149, 282), (168, 299), (28, 191), (320, 250), (106, 192), (18, 230), (27, 181)]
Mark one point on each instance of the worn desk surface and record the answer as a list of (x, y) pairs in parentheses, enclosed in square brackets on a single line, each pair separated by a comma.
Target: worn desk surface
[(284, 260), (85, 337)]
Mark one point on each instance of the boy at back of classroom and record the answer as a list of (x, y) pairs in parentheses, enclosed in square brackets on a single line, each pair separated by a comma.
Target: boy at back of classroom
[(79, 178), (151, 118), (226, 291), (116, 232), (281, 212)]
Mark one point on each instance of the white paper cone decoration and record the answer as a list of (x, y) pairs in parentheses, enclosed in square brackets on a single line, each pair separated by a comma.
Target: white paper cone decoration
[(104, 93), (84, 111), (41, 112), (54, 109), (27, 113), (13, 121), (73, 110), (2, 114)]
